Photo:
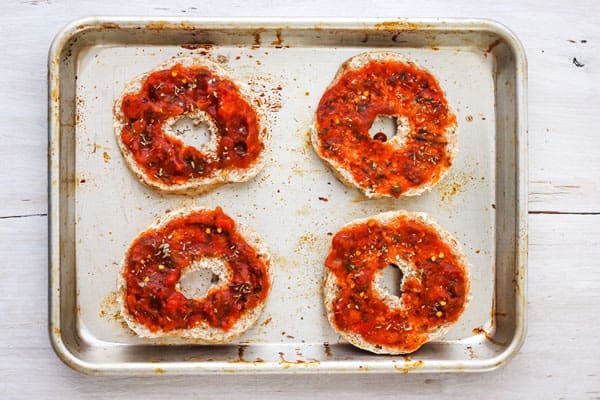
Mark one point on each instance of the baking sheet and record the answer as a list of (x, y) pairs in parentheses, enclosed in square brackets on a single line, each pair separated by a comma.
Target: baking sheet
[(295, 203)]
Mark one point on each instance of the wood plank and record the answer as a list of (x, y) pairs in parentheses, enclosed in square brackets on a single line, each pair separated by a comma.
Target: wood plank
[(563, 101), (559, 359), (564, 144)]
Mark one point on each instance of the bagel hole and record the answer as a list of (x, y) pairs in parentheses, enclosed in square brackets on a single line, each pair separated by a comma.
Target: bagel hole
[(202, 275), (383, 128), (391, 280), (192, 132), (390, 128)]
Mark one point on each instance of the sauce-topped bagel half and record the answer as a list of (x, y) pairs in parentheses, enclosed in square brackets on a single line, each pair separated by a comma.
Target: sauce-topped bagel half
[(385, 84), (433, 293), (153, 302), (146, 114)]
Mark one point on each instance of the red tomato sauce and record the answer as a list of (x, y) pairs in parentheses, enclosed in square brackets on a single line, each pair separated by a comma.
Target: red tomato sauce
[(434, 297), (156, 259), (176, 91), (393, 88)]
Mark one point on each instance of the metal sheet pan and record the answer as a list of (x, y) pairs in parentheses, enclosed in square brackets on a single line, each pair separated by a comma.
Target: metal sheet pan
[(97, 206)]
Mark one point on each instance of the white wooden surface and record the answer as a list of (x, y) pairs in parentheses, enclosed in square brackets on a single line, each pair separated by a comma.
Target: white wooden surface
[(561, 357)]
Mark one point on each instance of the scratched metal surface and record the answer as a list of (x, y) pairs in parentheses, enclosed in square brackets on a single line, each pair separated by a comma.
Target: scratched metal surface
[(98, 206)]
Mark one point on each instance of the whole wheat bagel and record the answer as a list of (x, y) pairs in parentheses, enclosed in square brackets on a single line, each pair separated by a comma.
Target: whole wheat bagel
[(151, 299), (434, 290), (376, 84), (146, 113)]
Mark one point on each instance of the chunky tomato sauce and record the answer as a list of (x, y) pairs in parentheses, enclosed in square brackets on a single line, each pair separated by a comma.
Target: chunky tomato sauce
[(155, 262), (176, 91), (391, 88), (435, 296)]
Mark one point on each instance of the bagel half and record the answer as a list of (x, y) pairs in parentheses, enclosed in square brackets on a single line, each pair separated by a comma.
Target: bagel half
[(218, 177), (404, 129), (202, 332), (416, 336)]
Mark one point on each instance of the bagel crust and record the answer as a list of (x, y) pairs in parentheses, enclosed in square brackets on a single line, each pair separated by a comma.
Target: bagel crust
[(144, 123), (434, 290), (152, 301), (385, 84)]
